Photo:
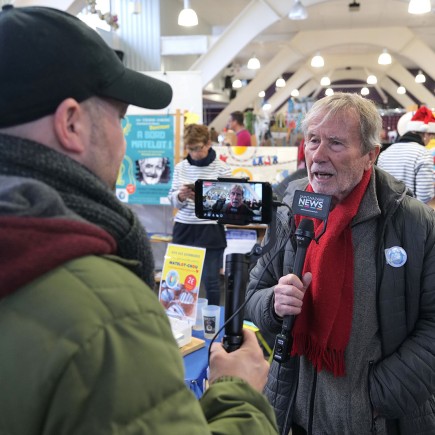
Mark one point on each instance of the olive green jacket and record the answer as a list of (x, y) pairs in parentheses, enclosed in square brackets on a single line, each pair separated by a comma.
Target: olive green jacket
[(87, 349)]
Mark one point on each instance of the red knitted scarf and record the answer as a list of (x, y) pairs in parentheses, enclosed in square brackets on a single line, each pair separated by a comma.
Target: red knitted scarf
[(322, 330)]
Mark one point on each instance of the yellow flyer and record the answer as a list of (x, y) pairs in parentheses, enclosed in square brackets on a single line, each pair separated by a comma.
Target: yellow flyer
[(181, 277)]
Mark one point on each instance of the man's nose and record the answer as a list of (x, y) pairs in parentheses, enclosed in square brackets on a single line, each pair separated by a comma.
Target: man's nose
[(320, 153)]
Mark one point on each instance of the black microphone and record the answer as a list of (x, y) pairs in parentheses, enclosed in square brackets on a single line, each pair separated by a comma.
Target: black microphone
[(304, 235), (236, 278)]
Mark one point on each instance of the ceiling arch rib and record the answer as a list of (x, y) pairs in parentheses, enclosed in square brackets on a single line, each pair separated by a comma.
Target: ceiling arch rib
[(280, 63), (312, 86), (338, 62), (238, 34), (360, 74)]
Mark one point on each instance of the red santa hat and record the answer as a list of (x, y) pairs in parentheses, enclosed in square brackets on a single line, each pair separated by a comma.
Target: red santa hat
[(422, 121)]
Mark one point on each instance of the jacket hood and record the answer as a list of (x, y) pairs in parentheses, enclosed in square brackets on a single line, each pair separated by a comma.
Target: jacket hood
[(31, 247), (38, 233)]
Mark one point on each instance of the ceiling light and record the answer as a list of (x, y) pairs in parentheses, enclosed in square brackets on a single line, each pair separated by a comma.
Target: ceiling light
[(298, 11), (187, 17), (372, 79), (401, 90), (420, 77), (267, 106), (136, 7), (280, 83), (384, 58), (237, 84), (253, 63), (325, 81), (354, 6), (419, 7), (365, 91), (262, 94), (294, 93), (317, 61), (329, 92)]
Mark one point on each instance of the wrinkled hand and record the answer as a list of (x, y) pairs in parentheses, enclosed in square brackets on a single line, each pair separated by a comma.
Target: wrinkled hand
[(247, 362), (186, 192), (289, 293)]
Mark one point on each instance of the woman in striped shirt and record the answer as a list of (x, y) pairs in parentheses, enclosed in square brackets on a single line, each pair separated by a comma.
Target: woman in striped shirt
[(200, 163)]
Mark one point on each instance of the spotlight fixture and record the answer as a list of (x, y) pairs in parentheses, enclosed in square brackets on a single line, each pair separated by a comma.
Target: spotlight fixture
[(372, 79), (298, 11), (384, 58), (419, 7), (237, 84), (401, 90), (294, 93), (325, 81), (354, 6), (329, 92), (280, 83), (187, 17), (262, 94), (420, 77), (365, 91), (317, 61), (253, 63)]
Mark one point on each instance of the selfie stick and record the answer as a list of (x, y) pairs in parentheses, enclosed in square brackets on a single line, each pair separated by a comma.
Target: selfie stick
[(236, 279)]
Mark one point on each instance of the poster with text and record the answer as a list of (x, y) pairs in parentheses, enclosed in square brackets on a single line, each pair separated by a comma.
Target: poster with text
[(181, 277), (145, 175)]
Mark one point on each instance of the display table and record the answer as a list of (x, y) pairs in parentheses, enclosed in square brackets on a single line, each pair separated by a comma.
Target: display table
[(196, 363)]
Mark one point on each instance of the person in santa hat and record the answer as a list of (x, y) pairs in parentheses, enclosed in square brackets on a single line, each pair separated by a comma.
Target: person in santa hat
[(408, 160)]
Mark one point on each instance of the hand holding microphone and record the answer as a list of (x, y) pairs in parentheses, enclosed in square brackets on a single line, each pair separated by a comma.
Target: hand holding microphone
[(304, 235), (289, 294)]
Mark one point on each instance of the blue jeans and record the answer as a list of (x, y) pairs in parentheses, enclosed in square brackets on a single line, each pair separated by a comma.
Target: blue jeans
[(210, 275)]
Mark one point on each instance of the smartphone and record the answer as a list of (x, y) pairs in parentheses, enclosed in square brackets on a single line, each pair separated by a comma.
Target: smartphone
[(234, 201)]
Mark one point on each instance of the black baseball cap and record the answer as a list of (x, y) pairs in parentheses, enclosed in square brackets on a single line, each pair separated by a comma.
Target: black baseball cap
[(47, 55)]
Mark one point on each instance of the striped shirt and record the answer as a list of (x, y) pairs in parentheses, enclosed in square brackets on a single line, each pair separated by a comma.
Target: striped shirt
[(412, 164), (185, 173)]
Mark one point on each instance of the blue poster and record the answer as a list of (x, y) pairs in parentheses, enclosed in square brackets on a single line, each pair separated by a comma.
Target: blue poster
[(145, 174)]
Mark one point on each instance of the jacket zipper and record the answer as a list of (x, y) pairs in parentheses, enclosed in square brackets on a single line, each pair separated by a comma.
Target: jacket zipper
[(373, 428), (312, 398)]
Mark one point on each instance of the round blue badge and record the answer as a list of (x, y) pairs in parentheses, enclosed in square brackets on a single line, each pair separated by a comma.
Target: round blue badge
[(396, 256)]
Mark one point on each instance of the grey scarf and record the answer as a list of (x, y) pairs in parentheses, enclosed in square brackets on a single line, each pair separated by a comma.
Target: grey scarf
[(84, 194)]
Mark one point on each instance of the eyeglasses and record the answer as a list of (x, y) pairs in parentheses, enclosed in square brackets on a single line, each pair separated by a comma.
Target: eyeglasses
[(195, 149)]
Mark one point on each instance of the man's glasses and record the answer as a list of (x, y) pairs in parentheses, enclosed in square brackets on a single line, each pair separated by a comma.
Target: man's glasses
[(195, 149)]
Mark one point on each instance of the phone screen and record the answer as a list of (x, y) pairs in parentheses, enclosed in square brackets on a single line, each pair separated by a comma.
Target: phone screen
[(237, 202)]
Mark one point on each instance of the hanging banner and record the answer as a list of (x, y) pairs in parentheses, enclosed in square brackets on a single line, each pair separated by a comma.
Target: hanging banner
[(271, 164), (145, 175), (181, 277)]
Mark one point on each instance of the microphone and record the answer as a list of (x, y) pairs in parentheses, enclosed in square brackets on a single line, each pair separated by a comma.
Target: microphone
[(304, 235), (236, 278)]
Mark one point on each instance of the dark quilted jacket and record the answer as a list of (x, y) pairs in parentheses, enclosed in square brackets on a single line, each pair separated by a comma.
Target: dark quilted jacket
[(401, 384)]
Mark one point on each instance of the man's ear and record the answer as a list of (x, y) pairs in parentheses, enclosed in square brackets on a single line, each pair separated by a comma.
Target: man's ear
[(69, 126), (373, 155)]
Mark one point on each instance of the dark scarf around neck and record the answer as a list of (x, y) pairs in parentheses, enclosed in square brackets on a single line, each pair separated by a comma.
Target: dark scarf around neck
[(211, 156), (83, 193)]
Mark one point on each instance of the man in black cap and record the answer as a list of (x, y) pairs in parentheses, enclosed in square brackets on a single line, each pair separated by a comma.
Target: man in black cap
[(85, 346)]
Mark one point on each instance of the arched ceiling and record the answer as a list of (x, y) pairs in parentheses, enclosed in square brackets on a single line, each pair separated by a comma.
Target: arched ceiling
[(350, 42), (345, 39)]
